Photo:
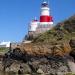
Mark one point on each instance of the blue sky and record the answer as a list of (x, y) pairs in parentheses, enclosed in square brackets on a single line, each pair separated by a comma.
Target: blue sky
[(16, 14)]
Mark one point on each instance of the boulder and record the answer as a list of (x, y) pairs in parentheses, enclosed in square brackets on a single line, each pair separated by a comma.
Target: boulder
[(19, 67), (39, 71), (25, 69)]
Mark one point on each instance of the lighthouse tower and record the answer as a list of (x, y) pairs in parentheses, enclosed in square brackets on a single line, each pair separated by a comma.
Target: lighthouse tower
[(32, 27), (44, 24), (45, 17), (46, 20)]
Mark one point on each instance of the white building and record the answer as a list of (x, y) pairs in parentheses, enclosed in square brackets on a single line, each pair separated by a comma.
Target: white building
[(5, 44)]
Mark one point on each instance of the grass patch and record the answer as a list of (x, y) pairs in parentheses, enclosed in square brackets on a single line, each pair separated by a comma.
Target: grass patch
[(3, 49)]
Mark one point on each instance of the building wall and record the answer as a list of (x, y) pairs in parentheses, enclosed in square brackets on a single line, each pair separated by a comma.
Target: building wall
[(5, 44)]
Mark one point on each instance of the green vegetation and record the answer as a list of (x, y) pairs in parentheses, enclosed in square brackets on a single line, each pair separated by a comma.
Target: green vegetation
[(63, 31), (3, 49), (53, 36)]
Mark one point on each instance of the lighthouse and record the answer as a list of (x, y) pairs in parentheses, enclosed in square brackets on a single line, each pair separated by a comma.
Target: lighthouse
[(45, 17), (44, 23), (46, 20), (33, 25)]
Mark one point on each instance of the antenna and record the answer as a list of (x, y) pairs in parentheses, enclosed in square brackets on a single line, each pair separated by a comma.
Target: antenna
[(45, 0)]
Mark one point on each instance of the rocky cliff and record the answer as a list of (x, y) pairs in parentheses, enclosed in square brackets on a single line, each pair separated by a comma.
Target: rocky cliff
[(24, 63), (51, 53)]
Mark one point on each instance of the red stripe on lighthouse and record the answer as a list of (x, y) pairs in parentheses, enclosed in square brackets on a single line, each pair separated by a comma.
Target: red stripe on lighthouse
[(46, 19)]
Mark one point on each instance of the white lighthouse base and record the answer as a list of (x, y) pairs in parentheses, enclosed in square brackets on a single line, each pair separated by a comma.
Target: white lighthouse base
[(45, 23), (44, 26)]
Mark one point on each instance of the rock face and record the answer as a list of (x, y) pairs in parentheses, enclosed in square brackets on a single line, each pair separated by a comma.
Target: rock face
[(72, 66), (46, 59), (39, 64), (44, 48), (72, 44)]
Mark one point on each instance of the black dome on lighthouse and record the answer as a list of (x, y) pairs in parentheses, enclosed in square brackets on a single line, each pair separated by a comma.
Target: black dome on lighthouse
[(44, 4)]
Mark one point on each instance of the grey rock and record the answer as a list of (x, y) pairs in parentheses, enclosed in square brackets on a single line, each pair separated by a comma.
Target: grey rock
[(49, 64), (1, 66), (25, 68), (40, 71)]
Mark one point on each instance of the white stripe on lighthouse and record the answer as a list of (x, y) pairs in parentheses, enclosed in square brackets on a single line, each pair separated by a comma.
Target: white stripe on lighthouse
[(43, 23)]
